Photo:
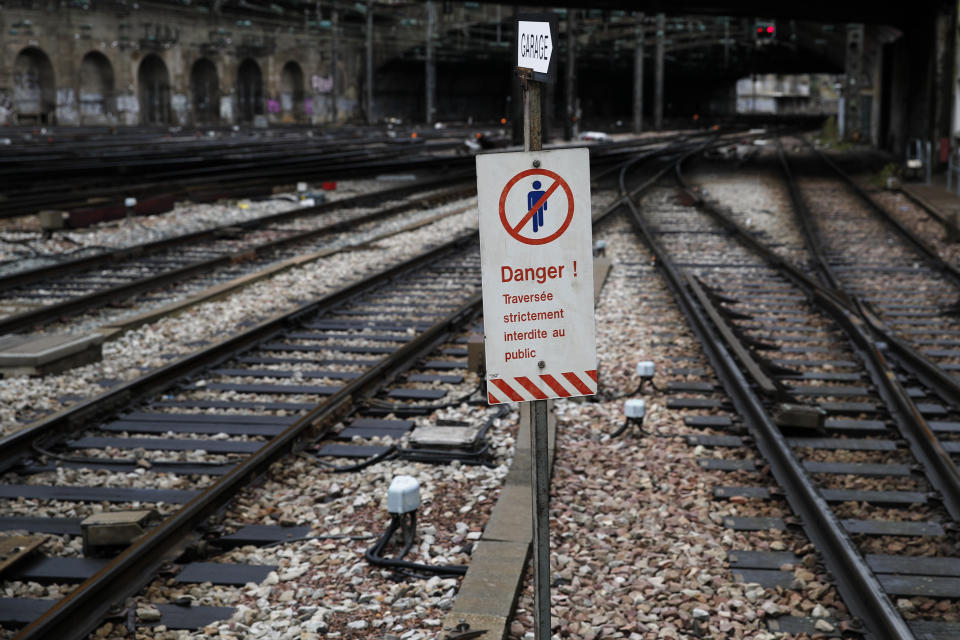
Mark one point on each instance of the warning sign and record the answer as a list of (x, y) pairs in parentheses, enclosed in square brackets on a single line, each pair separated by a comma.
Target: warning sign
[(536, 252)]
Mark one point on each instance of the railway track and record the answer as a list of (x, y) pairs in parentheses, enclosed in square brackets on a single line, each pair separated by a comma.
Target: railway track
[(825, 408), (266, 392), (38, 297)]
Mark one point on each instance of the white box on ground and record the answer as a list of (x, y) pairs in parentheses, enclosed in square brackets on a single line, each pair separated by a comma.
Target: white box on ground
[(536, 254)]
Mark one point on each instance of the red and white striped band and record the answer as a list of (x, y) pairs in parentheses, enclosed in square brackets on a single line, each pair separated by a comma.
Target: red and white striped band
[(524, 389)]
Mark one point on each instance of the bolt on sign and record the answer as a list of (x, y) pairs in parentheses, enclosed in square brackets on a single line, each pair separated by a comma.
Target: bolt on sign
[(536, 254)]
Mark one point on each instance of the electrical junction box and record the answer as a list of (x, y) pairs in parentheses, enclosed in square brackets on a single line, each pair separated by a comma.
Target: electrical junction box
[(51, 220), (645, 369), (403, 496), (635, 408)]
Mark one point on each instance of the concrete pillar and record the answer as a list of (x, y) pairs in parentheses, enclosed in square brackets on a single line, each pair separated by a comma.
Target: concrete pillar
[(570, 88), (368, 106), (431, 64), (955, 89), (911, 93), (944, 76), (726, 42), (658, 73), (853, 84), (335, 63), (638, 77)]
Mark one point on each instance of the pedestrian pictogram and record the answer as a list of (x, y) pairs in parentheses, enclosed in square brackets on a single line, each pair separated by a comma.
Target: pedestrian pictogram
[(537, 201), (524, 201)]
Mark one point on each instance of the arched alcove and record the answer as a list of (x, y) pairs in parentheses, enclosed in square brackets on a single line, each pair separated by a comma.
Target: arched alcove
[(153, 84), (96, 96), (34, 94), (249, 91), (205, 90), (291, 91)]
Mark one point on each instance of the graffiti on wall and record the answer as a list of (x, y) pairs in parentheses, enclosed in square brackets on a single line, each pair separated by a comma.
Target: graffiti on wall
[(67, 111), (321, 84), (28, 91), (6, 105), (226, 108), (128, 104)]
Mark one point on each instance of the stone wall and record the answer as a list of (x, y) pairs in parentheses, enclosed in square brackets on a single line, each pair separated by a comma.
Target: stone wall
[(168, 65)]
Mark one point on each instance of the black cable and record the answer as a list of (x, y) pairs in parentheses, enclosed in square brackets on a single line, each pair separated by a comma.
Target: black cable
[(621, 429), (389, 453), (626, 425), (25, 243), (445, 456), (374, 554)]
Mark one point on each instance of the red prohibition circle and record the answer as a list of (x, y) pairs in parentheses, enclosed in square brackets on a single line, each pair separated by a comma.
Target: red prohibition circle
[(503, 212)]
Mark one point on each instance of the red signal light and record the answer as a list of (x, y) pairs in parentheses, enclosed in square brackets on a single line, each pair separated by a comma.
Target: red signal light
[(759, 29), (770, 29)]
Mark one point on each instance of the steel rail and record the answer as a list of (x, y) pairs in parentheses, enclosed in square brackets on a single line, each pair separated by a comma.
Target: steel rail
[(859, 587)]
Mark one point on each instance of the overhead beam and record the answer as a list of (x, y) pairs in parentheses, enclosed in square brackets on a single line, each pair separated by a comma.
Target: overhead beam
[(870, 12), (638, 77)]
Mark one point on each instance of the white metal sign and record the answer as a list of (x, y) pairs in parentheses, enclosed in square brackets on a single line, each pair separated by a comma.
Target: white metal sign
[(534, 45), (536, 254)]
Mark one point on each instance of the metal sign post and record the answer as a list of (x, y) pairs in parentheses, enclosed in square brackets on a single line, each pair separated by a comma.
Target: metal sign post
[(539, 438)]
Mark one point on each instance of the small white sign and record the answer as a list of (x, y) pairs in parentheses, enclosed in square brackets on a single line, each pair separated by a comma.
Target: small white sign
[(534, 46), (536, 254)]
